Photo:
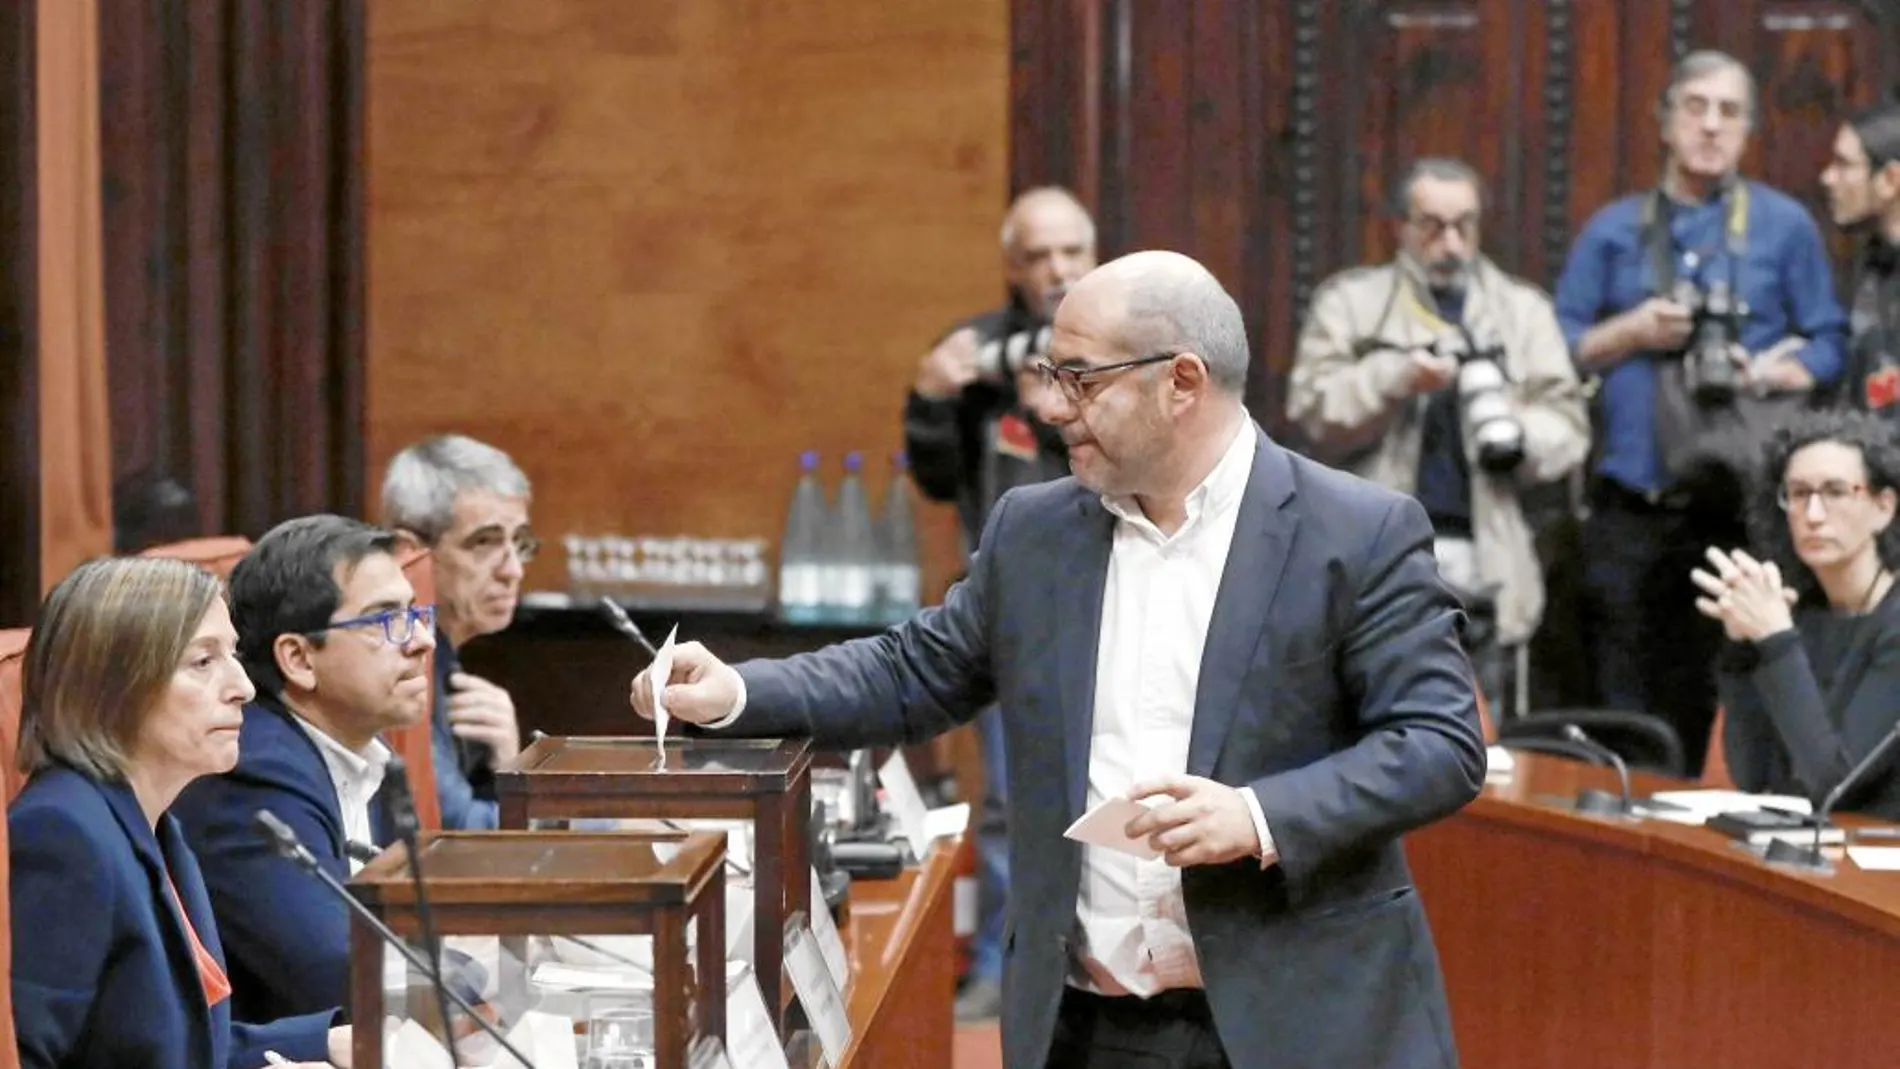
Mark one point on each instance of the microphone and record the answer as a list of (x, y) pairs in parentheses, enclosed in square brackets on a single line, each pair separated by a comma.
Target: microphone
[(402, 810), (624, 624), (286, 843), (1810, 856), (1599, 802)]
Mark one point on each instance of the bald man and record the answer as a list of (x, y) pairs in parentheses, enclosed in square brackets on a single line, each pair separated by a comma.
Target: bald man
[(1252, 648), (971, 434)]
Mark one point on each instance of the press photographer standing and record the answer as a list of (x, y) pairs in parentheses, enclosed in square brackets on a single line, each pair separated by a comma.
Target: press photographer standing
[(1707, 307), (1441, 376), (971, 434)]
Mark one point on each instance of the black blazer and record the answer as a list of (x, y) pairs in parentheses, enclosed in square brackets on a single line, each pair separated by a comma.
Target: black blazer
[(1784, 734), (1333, 684)]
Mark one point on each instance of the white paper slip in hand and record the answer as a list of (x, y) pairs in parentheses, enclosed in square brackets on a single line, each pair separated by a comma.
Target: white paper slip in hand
[(662, 673), (1102, 826)]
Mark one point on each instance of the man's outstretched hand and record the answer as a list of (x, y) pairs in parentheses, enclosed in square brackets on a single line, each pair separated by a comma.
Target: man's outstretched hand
[(702, 689)]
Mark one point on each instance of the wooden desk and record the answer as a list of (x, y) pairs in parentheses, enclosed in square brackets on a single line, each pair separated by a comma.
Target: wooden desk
[(903, 967), (1571, 941)]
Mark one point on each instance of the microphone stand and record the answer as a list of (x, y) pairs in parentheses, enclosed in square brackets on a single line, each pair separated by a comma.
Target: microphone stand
[(285, 840), (402, 806), (1596, 802), (1810, 858)]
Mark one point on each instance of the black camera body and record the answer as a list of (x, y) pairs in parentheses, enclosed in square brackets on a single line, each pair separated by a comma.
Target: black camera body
[(1000, 359), (1484, 402), (1713, 378)]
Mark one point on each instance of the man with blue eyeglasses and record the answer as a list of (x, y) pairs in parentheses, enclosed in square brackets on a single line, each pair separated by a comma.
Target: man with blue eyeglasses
[(1665, 488), (330, 633)]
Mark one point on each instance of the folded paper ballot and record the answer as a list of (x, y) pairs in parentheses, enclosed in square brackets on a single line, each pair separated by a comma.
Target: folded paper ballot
[(1102, 826), (661, 674)]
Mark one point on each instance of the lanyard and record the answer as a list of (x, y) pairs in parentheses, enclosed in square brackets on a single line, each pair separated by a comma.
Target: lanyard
[(1661, 242)]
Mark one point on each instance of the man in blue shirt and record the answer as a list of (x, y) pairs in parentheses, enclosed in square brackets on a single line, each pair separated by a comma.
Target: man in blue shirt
[(1707, 226), (467, 502)]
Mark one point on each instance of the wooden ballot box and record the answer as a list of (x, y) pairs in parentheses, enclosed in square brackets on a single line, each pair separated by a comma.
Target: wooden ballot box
[(765, 781), (534, 894)]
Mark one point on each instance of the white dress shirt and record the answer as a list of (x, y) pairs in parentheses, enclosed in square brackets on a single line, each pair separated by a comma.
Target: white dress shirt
[(1156, 609), (357, 777)]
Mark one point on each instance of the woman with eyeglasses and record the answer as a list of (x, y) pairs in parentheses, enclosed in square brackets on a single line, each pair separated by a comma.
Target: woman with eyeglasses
[(1810, 675), (131, 691)]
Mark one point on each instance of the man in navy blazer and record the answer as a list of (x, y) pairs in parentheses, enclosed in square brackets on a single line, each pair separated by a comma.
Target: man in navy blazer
[(1255, 646), (331, 635)]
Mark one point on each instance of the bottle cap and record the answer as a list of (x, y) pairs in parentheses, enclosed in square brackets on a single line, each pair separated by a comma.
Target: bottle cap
[(853, 461), (808, 460)]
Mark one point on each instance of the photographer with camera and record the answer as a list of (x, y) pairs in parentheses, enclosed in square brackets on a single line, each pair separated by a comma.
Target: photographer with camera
[(1862, 181), (1441, 376), (1707, 308), (971, 434)]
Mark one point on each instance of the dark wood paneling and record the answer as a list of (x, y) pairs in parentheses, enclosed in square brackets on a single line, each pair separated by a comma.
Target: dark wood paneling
[(1264, 137), (19, 316), (1445, 94), (232, 151)]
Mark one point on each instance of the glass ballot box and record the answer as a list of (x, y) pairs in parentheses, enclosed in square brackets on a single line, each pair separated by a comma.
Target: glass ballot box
[(765, 783), (604, 951)]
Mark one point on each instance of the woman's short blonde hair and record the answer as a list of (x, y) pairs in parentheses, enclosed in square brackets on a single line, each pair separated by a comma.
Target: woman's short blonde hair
[(109, 638)]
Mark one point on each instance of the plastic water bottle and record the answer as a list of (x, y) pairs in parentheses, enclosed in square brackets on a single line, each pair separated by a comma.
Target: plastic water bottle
[(801, 557), (851, 579), (900, 587)]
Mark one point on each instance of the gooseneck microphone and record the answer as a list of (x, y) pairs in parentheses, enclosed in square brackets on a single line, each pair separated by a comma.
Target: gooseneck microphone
[(402, 814), (1810, 856), (286, 843), (624, 624), (1598, 802)]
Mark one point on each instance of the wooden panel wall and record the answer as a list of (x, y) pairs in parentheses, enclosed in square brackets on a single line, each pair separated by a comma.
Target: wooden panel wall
[(654, 250), (1263, 136)]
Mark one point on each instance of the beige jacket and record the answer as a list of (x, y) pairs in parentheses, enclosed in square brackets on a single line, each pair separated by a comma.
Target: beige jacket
[(1362, 414)]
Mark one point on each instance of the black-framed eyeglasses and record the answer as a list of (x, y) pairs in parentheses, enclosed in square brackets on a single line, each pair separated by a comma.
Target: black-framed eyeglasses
[(1799, 498), (399, 625), (1072, 379)]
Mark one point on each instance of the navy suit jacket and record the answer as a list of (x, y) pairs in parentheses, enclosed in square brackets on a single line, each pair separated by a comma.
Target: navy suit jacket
[(103, 971), (465, 805), (1333, 683), (288, 936)]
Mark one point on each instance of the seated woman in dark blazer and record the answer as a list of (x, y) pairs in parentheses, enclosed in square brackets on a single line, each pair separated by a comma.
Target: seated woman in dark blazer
[(131, 691), (1810, 676)]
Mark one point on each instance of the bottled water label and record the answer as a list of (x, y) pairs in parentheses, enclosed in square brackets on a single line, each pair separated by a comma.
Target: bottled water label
[(902, 585), (855, 588), (800, 585)]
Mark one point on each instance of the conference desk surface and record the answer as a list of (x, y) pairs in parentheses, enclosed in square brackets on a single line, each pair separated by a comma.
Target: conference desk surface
[(1571, 940)]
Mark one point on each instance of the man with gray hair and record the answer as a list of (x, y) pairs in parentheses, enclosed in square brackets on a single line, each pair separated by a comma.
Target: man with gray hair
[(1239, 662), (1386, 382), (468, 503), (1638, 302)]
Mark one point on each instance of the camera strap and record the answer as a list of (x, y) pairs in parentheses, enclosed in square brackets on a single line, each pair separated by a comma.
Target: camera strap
[(1659, 242)]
